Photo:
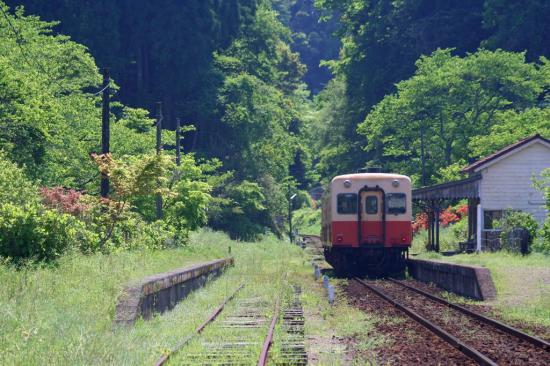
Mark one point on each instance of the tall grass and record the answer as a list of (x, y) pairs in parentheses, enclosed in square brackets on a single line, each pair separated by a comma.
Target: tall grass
[(63, 314)]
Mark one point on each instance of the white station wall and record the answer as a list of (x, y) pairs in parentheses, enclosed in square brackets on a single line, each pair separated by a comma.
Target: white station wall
[(508, 183)]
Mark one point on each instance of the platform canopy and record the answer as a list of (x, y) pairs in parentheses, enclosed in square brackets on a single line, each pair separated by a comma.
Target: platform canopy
[(458, 189), (432, 197)]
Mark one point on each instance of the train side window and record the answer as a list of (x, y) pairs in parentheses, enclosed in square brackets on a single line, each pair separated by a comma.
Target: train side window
[(396, 203), (347, 203), (371, 205)]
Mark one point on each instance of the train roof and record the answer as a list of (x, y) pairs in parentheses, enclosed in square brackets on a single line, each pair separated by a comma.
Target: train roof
[(377, 176)]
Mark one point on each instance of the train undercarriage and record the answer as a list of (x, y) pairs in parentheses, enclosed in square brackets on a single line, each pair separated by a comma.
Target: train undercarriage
[(363, 261)]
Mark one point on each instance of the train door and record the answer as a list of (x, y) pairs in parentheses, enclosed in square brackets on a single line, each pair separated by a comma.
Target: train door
[(372, 225)]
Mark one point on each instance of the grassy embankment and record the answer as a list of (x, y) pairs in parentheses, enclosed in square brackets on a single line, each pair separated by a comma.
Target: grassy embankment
[(63, 314), (307, 221), (522, 283)]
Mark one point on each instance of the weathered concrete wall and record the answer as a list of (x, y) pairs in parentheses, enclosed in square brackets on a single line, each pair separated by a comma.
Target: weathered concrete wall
[(469, 281), (161, 292)]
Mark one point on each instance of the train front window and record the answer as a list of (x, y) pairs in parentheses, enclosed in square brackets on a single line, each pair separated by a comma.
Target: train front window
[(347, 203), (371, 205), (396, 203)]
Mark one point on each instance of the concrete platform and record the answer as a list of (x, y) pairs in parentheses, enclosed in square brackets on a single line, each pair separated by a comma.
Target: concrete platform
[(161, 292), (469, 281)]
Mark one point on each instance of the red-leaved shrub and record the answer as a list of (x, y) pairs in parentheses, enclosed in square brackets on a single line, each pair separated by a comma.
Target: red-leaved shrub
[(420, 222), (462, 211), (448, 216), (65, 200)]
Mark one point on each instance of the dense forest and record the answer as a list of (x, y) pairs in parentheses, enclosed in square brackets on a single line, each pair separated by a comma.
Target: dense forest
[(277, 96)]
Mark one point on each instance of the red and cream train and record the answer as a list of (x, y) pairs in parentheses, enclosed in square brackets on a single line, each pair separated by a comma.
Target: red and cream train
[(366, 223)]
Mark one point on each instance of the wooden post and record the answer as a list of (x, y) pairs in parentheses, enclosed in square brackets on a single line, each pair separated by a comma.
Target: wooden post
[(178, 142), (432, 225), (159, 149), (437, 211), (105, 128), (479, 227), (429, 229)]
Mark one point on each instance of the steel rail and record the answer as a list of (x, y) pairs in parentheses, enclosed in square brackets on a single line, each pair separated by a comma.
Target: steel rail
[(506, 328), (471, 352), (262, 361), (164, 358)]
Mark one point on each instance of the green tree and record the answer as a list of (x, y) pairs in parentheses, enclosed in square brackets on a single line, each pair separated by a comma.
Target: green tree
[(431, 120)]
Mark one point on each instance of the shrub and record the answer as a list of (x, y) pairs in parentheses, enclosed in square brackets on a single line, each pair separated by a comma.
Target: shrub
[(64, 200), (32, 232), (543, 243), (420, 222), (513, 220), (239, 209), (15, 187)]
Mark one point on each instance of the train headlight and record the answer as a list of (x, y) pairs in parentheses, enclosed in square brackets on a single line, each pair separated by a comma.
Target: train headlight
[(347, 183), (395, 183)]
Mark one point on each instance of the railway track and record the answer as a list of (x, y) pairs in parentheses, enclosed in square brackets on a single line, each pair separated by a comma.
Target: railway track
[(482, 339), (238, 337)]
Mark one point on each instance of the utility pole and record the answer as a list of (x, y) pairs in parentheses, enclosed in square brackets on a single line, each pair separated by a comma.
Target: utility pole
[(178, 142), (105, 128), (159, 149)]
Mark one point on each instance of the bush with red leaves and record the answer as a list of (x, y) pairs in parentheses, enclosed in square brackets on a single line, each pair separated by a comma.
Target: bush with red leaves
[(448, 216), (65, 200), (420, 222), (462, 211)]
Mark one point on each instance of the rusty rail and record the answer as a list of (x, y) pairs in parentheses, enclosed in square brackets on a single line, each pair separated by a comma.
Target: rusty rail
[(471, 352), (505, 328), (269, 338), (162, 360)]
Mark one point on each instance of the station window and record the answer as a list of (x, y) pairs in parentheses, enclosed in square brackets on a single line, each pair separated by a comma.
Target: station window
[(347, 203), (371, 205), (396, 203)]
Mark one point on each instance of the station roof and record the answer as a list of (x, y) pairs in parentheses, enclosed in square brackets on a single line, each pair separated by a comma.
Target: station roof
[(458, 189), (502, 153)]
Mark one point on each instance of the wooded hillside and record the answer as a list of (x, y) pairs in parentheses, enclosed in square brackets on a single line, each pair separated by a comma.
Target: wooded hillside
[(277, 97)]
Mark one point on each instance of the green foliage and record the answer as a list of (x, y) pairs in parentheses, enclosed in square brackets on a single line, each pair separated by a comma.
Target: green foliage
[(28, 230), (460, 229), (313, 38), (516, 219), (240, 211), (32, 232), (509, 127), (450, 172), (260, 105), (50, 122), (517, 25), (15, 187), (138, 39), (186, 208), (543, 184), (449, 237), (307, 220), (382, 40), (428, 124)]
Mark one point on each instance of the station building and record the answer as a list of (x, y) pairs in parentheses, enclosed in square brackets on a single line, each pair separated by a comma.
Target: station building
[(494, 184)]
